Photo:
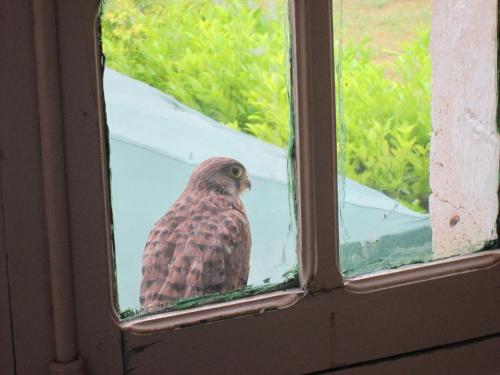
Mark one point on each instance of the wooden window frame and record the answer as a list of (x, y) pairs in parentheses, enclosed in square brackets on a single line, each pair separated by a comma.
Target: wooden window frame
[(330, 323)]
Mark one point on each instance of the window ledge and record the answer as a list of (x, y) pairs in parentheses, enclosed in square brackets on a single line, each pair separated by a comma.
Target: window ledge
[(422, 272), (208, 313)]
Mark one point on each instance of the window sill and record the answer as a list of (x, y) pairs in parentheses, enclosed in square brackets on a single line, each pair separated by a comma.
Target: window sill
[(208, 313), (422, 272)]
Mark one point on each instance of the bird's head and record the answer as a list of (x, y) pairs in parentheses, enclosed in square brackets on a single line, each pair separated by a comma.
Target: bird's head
[(222, 175)]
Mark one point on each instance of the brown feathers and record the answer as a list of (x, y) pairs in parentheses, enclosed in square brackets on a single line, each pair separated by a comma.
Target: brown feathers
[(202, 244)]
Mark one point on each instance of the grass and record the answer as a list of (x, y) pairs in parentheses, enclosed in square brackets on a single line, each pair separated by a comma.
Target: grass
[(385, 23)]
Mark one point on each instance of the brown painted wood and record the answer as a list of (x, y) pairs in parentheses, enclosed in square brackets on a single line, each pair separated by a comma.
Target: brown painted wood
[(7, 363), (54, 179), (416, 316), (332, 329), (99, 338), (479, 357), (294, 341), (312, 38), (6, 339), (25, 241)]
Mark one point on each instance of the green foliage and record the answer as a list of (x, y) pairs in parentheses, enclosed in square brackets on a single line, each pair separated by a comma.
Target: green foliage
[(224, 59), (228, 60), (387, 120)]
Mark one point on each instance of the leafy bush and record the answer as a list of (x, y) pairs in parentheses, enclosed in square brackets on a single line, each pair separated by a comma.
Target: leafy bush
[(227, 59), (387, 120)]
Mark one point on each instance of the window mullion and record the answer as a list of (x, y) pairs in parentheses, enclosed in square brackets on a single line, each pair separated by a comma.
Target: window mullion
[(314, 114)]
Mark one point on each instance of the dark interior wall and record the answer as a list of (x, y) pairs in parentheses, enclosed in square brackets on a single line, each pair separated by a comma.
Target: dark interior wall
[(23, 249)]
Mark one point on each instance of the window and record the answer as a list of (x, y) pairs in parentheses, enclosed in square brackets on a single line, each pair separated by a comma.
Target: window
[(411, 132), (184, 82), (379, 322)]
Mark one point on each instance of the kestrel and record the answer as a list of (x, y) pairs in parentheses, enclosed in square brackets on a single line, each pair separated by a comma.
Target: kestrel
[(202, 244)]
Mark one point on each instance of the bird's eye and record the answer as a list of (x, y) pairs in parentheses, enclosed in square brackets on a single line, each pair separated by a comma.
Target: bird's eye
[(236, 171)]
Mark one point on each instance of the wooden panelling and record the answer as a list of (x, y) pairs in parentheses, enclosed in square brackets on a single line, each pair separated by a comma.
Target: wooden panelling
[(6, 340), (22, 203), (478, 357), (330, 330), (99, 338)]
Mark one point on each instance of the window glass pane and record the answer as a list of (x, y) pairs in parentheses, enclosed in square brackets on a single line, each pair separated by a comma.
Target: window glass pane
[(187, 81), (416, 129)]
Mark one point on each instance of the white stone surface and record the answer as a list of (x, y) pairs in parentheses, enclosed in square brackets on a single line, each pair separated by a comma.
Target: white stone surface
[(465, 143)]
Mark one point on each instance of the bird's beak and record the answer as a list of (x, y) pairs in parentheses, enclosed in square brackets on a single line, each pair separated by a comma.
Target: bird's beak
[(246, 184)]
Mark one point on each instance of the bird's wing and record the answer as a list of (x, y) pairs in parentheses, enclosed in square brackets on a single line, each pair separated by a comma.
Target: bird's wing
[(158, 254), (197, 265), (214, 258), (210, 254), (237, 256)]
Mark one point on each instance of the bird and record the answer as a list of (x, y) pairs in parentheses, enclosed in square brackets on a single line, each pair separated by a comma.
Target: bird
[(202, 243)]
